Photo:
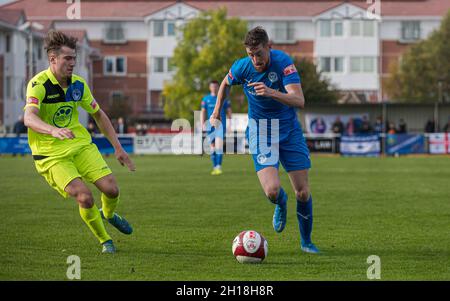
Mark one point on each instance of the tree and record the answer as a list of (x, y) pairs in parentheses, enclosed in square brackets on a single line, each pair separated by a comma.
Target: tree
[(315, 88), (210, 44), (424, 71)]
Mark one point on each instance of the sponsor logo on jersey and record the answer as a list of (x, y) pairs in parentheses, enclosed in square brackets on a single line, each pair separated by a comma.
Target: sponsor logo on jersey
[(93, 104), (289, 70), (53, 96), (32, 100), (63, 116)]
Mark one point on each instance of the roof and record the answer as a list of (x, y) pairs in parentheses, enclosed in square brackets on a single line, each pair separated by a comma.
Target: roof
[(135, 9), (11, 16)]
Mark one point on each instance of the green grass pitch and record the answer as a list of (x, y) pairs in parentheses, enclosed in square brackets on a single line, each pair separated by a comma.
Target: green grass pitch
[(185, 220)]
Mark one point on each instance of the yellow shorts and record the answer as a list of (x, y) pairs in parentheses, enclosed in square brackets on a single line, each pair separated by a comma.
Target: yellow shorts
[(86, 163)]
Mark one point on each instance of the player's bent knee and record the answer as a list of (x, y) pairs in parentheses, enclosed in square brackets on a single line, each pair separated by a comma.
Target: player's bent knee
[(85, 199), (302, 195), (112, 192), (272, 192)]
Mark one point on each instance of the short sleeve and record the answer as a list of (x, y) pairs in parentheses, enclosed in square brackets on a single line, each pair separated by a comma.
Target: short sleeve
[(35, 94), (234, 75), (203, 105), (88, 102), (289, 72)]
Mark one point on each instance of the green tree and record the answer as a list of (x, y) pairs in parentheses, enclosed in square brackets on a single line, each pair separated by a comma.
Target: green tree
[(210, 44), (423, 67), (315, 87)]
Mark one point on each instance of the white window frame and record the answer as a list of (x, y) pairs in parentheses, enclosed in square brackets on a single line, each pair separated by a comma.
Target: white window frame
[(404, 27), (284, 32), (163, 34), (114, 65), (362, 64), (163, 59), (333, 60), (114, 26)]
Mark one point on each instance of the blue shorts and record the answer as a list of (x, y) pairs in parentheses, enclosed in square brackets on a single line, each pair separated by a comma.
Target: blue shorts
[(291, 150)]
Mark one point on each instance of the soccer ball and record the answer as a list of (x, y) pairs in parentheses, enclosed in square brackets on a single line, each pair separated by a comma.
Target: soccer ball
[(250, 247)]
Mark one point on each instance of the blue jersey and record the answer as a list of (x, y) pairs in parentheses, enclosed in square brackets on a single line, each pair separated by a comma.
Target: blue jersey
[(280, 72), (209, 103)]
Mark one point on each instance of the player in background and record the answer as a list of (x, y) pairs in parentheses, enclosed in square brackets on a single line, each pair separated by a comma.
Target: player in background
[(272, 86), (215, 135), (62, 148)]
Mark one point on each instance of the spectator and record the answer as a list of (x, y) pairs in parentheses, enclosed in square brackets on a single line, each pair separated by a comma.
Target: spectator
[(3, 131), (121, 127), (378, 126), (365, 126), (19, 127), (391, 128), (320, 126), (350, 128), (338, 126), (431, 127), (446, 128), (402, 127)]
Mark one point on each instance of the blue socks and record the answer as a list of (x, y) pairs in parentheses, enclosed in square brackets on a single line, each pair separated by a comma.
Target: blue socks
[(219, 159), (305, 219), (214, 158)]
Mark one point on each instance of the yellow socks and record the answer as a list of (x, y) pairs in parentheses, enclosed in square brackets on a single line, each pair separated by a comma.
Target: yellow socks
[(92, 218), (109, 205)]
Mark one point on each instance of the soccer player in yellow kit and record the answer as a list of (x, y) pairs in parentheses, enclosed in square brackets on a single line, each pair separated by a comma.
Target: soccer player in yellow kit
[(62, 148)]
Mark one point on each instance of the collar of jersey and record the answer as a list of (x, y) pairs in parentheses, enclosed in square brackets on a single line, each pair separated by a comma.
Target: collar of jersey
[(52, 77)]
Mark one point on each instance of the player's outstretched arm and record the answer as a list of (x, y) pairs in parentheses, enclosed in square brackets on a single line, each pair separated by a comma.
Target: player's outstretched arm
[(224, 90), (34, 122), (105, 126), (293, 98)]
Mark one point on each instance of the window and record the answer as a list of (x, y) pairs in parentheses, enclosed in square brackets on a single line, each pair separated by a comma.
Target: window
[(170, 66), (368, 28), (410, 30), (325, 28), (114, 65), (355, 28), (331, 64), (338, 64), (325, 64), (170, 28), (364, 64), (158, 64), (115, 33), (8, 43), (158, 28), (338, 29), (284, 31)]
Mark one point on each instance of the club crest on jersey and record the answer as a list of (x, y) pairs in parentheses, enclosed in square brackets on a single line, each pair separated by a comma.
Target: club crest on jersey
[(76, 94), (273, 77), (63, 116)]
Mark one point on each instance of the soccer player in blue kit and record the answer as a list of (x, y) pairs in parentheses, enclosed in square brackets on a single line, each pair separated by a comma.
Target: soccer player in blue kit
[(272, 86), (215, 135)]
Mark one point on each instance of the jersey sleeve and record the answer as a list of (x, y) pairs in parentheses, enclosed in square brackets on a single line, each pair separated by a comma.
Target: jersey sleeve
[(35, 94), (289, 72), (235, 74), (88, 102), (203, 105)]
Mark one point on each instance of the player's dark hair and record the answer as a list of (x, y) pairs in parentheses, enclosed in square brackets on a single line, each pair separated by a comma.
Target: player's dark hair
[(213, 82), (255, 37), (55, 40)]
